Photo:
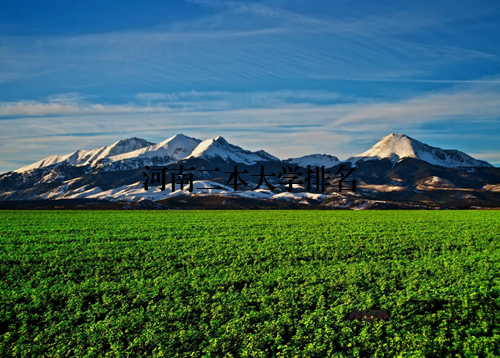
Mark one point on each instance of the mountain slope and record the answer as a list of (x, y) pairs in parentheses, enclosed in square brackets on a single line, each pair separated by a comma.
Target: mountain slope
[(396, 146), (88, 157), (177, 147), (314, 160), (220, 148), (396, 171), (170, 150)]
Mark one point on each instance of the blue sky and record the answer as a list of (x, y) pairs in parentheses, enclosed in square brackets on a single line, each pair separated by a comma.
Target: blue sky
[(292, 77)]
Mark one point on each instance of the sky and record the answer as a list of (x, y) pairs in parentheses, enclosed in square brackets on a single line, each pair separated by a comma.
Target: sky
[(292, 77)]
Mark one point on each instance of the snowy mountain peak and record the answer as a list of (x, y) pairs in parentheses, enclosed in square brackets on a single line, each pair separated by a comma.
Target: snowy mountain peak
[(127, 145), (88, 157), (396, 135), (396, 146), (264, 154), (179, 140), (221, 140), (314, 160), (131, 140), (172, 149), (180, 136), (220, 148)]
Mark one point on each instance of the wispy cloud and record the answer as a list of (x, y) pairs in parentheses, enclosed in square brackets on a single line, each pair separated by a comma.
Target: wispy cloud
[(286, 123), (473, 102), (6, 77), (462, 102), (73, 104), (264, 10), (492, 157), (56, 108), (242, 99), (354, 73), (248, 43)]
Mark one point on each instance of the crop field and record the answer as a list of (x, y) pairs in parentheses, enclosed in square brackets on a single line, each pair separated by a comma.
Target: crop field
[(249, 283)]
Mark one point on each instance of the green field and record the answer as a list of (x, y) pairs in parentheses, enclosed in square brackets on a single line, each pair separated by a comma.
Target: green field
[(249, 283)]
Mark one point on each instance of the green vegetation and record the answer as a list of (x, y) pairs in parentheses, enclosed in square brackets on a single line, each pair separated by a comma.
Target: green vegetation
[(249, 283)]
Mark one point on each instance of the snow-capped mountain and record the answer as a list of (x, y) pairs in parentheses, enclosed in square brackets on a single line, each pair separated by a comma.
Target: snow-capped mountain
[(170, 150), (88, 157), (418, 173), (219, 148), (177, 147), (314, 160), (396, 146)]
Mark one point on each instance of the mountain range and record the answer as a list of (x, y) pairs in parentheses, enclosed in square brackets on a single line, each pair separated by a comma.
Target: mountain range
[(397, 172)]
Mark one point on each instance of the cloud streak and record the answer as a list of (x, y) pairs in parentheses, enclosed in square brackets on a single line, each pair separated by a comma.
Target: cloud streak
[(286, 123), (463, 103), (246, 43), (352, 73), (478, 100), (40, 109), (491, 156)]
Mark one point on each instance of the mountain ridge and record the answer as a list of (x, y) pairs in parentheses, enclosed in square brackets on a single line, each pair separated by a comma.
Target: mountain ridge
[(134, 152), (86, 157), (398, 171), (220, 147)]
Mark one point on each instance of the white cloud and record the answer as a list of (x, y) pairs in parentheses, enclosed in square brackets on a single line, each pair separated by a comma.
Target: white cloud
[(74, 104), (60, 107), (478, 101), (285, 129), (260, 98), (489, 156), (473, 102)]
